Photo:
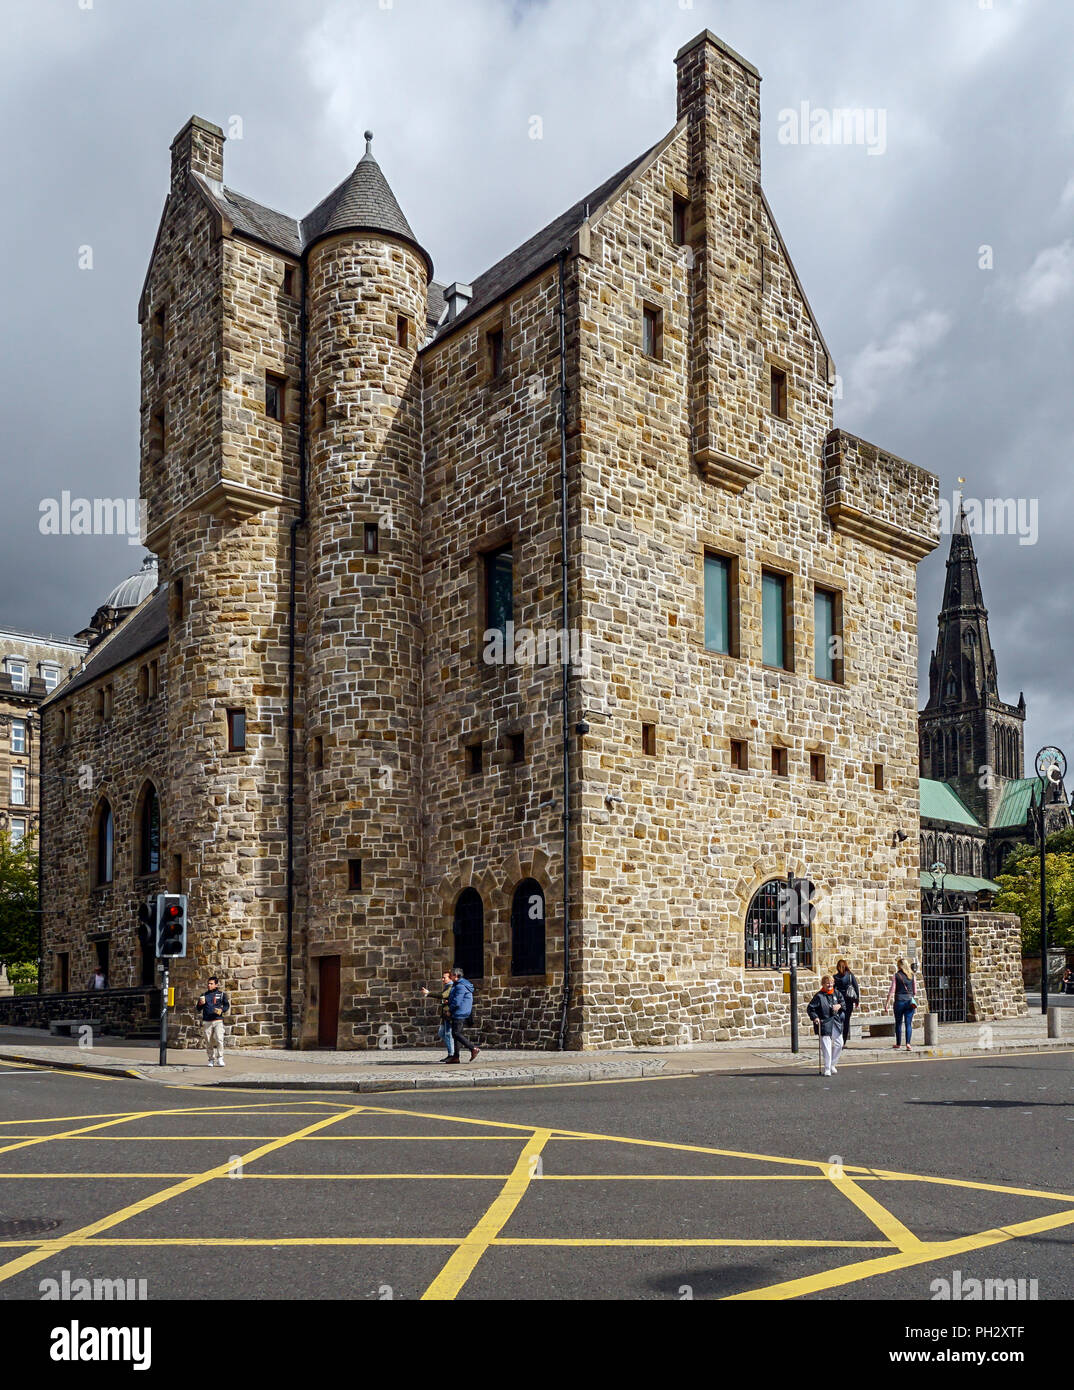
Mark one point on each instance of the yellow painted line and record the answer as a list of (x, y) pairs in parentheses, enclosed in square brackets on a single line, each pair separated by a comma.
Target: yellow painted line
[(680, 1177), (54, 1247), (699, 1244), (925, 1254), (73, 1133), (4, 1176), (463, 1262), (880, 1175), (73, 1069), (889, 1225), (168, 1112), (439, 1090), (915, 1056), (239, 1241)]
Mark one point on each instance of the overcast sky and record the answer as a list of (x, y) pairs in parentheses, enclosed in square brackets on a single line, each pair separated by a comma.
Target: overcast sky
[(953, 356)]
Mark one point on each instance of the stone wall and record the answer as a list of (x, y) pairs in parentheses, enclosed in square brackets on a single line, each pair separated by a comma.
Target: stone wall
[(994, 948), (117, 1011)]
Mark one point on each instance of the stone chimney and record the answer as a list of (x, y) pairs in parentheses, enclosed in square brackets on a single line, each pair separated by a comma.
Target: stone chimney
[(719, 93), (198, 149)]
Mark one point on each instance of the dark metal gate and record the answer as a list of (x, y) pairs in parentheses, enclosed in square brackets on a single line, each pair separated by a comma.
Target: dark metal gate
[(944, 966)]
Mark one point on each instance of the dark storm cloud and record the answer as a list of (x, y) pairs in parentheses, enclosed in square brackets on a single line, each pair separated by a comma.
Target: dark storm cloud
[(961, 369)]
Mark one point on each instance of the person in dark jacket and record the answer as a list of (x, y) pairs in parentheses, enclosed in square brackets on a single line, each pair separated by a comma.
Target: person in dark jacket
[(825, 1009), (213, 1005), (461, 1006), (444, 1032), (847, 984), (902, 1000)]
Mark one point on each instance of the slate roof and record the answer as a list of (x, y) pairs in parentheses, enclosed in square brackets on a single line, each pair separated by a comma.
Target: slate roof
[(1018, 797), (145, 628), (541, 249), (941, 802), (263, 224)]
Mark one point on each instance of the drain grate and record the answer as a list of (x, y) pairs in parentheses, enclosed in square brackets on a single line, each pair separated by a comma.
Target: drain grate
[(28, 1226)]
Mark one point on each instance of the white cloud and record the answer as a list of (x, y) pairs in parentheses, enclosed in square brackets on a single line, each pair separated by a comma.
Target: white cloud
[(1047, 281), (876, 371)]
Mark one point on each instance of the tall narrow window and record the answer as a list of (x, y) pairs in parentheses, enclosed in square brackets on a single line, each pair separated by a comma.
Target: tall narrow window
[(499, 589), (827, 635), (469, 932), (816, 767), (774, 619), (652, 331), (289, 280), (372, 538), (18, 786), (105, 847), (275, 390), (19, 673), (717, 604), (149, 833), (354, 875), (236, 730), (779, 761), (878, 776), (18, 735), (18, 830), (778, 390), (157, 335), (475, 759), (648, 740), (402, 331), (51, 676), (740, 755), (527, 929), (495, 352), (157, 434), (680, 212), (517, 745), (317, 751)]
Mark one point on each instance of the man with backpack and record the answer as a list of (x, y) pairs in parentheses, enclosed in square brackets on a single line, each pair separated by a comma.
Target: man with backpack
[(461, 1006)]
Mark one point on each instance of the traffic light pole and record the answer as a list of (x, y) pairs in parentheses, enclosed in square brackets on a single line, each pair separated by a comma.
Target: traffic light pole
[(164, 1014)]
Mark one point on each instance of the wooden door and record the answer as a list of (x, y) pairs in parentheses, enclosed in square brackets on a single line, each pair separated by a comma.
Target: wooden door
[(328, 1001)]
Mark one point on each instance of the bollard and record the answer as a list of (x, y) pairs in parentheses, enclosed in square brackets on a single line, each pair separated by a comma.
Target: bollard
[(1055, 1022), (932, 1030)]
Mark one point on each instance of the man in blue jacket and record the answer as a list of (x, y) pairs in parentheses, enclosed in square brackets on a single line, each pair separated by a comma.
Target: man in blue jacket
[(461, 1004)]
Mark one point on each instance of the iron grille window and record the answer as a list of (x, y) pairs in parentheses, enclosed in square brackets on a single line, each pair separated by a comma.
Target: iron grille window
[(767, 936), (470, 934)]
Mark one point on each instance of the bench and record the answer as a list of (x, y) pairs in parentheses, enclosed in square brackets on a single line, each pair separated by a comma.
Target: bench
[(67, 1027), (885, 1027)]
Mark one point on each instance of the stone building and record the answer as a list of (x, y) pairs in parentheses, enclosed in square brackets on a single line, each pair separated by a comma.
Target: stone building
[(977, 805), (31, 665), (548, 608)]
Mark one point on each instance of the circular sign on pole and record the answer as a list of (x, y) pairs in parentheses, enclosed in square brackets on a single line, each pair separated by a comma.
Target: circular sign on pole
[(1051, 764)]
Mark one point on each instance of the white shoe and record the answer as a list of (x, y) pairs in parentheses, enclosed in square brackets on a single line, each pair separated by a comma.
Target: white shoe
[(825, 1073), (835, 1071), (211, 1062), (220, 1061)]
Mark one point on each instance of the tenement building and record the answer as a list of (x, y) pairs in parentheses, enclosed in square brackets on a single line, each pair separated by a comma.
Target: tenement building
[(543, 622), (976, 803), (31, 665)]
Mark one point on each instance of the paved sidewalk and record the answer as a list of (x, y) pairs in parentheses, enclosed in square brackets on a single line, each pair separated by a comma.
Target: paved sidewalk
[(401, 1069)]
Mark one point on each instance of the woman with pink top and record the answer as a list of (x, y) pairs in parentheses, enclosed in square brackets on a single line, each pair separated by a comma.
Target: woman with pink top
[(902, 995)]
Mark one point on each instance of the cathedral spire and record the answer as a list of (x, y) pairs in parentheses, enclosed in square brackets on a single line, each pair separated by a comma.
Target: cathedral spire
[(963, 667)]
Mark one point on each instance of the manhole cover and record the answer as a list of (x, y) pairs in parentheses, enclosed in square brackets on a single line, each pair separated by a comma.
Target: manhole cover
[(28, 1226)]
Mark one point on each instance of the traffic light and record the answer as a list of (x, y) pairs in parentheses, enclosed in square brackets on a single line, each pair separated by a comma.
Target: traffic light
[(171, 924), (146, 920)]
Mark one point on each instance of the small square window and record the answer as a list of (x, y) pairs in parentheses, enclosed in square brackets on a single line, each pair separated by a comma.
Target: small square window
[(474, 759), (289, 280), (354, 875), (517, 744), (778, 400), (680, 220), (779, 761), (878, 776), (495, 351), (648, 740), (402, 331), (817, 767), (236, 730), (372, 538), (740, 755), (653, 332), (275, 391)]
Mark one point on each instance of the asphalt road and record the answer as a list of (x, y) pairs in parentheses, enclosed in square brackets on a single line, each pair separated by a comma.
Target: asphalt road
[(871, 1185)]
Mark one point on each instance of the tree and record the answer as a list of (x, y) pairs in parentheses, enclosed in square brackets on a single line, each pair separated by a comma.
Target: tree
[(18, 899), (1020, 893)]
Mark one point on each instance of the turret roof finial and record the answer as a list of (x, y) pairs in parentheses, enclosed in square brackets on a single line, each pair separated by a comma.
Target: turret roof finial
[(369, 144)]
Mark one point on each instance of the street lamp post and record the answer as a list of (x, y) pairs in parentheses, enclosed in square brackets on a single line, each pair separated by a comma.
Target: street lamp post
[(939, 869), (1051, 765)]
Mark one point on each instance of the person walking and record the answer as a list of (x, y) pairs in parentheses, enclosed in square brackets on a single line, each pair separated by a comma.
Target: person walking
[(214, 1004), (825, 1009), (902, 999), (847, 984), (461, 1006), (444, 1032), (98, 980)]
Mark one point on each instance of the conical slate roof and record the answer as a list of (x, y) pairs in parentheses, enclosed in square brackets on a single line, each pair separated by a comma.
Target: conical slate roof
[(363, 202)]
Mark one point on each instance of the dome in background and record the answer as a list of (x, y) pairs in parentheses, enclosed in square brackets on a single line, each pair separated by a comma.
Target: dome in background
[(131, 592)]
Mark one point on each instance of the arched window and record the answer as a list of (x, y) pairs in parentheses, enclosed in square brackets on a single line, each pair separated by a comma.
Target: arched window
[(527, 929), (149, 831), (470, 934), (104, 857), (773, 916)]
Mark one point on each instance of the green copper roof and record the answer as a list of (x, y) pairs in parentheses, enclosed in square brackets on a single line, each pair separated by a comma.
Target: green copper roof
[(941, 802), (1018, 797), (957, 883)]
